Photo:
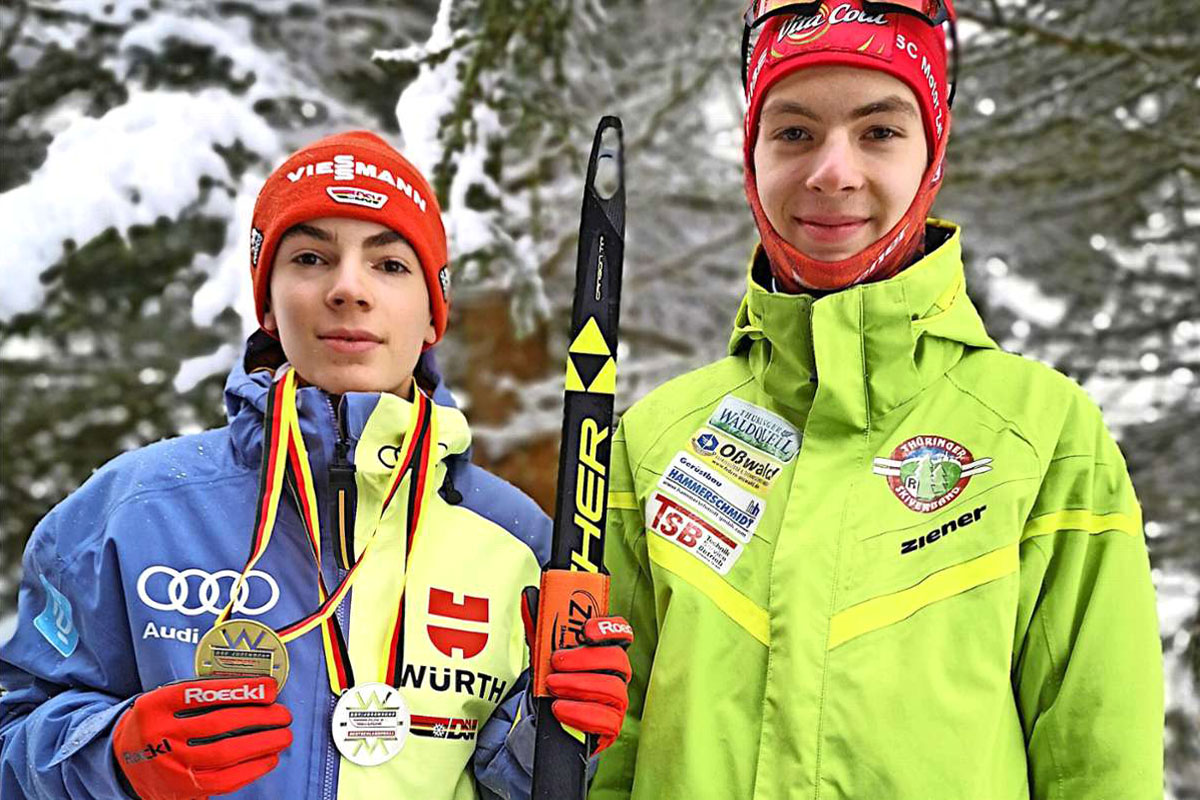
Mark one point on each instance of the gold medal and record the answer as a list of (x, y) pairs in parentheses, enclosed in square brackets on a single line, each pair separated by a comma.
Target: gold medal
[(239, 648)]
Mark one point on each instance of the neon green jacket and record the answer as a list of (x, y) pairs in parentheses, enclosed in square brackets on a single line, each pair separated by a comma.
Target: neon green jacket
[(871, 556)]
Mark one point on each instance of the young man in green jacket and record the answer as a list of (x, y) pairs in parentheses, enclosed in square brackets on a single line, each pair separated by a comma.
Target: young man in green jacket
[(869, 554)]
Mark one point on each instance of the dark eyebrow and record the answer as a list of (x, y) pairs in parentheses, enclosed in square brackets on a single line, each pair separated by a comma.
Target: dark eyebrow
[(790, 107), (320, 234), (892, 104), (301, 229), (382, 238)]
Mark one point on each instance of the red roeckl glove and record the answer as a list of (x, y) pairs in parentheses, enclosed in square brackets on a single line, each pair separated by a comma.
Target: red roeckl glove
[(590, 682), (201, 737)]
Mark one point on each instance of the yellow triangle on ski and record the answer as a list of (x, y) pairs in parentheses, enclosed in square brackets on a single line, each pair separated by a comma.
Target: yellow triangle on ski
[(590, 340), (574, 383), (605, 381)]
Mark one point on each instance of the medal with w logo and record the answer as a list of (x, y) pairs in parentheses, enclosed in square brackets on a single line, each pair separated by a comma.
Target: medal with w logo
[(370, 724), (242, 648)]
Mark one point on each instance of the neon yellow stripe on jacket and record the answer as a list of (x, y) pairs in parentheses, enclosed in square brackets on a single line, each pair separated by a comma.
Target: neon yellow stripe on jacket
[(464, 646), (626, 501), (879, 612), (736, 605), (1085, 521)]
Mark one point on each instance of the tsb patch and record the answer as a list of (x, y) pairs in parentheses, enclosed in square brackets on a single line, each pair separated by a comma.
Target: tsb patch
[(673, 520), (927, 473)]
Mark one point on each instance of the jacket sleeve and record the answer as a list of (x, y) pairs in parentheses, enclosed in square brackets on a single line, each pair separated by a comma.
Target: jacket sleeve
[(68, 670), (1087, 667), (503, 760), (632, 596), (504, 757)]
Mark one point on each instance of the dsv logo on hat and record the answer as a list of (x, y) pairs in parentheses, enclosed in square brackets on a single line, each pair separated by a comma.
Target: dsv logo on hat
[(356, 196), (174, 591)]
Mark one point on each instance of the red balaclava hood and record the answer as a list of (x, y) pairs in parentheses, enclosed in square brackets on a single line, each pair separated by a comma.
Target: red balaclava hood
[(360, 176), (841, 34)]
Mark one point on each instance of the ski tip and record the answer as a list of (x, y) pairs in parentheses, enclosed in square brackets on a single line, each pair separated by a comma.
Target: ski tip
[(606, 168)]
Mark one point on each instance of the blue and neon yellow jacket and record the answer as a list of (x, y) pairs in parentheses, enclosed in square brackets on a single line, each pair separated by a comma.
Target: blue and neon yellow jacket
[(123, 577)]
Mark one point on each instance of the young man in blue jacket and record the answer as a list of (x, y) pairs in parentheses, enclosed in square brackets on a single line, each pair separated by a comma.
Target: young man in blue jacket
[(334, 532)]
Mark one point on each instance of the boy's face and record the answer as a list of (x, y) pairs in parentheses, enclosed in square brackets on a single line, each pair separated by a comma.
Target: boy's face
[(349, 304), (839, 158)]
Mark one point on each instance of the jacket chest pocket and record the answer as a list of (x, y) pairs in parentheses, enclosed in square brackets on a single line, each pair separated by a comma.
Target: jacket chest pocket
[(893, 574)]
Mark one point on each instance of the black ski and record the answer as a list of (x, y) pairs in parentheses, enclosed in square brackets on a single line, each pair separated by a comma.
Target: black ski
[(574, 585)]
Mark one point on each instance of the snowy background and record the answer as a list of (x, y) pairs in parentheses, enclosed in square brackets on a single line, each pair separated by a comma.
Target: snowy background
[(134, 135)]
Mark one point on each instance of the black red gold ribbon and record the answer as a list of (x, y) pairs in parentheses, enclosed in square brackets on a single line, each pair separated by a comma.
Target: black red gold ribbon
[(285, 455)]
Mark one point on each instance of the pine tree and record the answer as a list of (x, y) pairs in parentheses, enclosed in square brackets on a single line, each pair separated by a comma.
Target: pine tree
[(88, 366)]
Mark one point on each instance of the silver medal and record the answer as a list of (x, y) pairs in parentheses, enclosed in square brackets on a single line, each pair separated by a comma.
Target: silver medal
[(370, 724)]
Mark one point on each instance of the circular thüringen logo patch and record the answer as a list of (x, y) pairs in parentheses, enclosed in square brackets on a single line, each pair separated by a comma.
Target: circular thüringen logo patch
[(927, 473)]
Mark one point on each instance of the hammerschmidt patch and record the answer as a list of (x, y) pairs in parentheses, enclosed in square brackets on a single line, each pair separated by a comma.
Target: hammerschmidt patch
[(705, 492)]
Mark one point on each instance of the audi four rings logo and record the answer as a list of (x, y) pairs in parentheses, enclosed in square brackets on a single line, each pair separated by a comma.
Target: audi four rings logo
[(193, 591)]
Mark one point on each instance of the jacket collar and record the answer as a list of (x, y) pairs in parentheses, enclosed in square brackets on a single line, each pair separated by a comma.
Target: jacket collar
[(359, 415), (870, 347)]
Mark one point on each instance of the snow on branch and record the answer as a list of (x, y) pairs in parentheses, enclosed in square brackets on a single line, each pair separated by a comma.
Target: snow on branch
[(141, 161)]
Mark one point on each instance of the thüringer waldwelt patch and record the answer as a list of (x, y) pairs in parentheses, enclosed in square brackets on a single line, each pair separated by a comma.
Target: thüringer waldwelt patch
[(757, 427)]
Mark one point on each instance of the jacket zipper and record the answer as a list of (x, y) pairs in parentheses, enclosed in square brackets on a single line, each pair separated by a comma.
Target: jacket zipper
[(343, 490), (341, 521), (328, 791), (332, 757)]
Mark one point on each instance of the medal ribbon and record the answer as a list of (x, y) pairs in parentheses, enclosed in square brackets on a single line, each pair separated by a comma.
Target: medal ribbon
[(284, 453), (415, 458), (270, 477), (341, 675)]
